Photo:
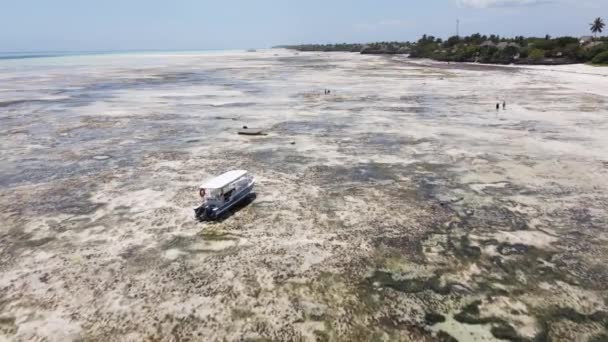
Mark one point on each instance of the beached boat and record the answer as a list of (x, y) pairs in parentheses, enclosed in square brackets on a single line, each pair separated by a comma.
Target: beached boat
[(222, 193)]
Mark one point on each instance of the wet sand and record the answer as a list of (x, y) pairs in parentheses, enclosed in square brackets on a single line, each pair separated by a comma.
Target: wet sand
[(403, 206)]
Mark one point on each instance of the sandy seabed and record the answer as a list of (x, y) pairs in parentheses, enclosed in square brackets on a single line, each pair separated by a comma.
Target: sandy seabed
[(403, 206)]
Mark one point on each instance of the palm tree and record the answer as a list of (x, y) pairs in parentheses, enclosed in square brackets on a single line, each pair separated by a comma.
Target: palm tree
[(597, 26)]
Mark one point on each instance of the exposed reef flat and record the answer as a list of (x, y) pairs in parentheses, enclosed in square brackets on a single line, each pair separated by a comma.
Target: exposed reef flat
[(402, 206)]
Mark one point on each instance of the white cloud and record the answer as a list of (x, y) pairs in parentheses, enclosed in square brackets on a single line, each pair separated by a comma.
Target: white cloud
[(501, 3)]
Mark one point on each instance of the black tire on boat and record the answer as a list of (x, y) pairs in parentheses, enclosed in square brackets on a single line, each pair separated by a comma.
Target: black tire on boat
[(200, 213)]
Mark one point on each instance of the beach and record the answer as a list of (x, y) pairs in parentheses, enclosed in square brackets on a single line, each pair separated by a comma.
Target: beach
[(402, 206)]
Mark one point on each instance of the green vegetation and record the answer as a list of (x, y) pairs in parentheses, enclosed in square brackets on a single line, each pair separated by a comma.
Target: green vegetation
[(241, 314), (344, 47), (432, 318), (601, 58), (597, 26), (483, 49), (536, 55), (470, 314), (442, 336), (519, 50), (505, 331), (415, 285), (488, 49), (371, 48)]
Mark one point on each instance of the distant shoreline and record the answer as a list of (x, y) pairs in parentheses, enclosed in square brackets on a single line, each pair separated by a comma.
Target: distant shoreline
[(545, 62), (484, 49), (17, 55)]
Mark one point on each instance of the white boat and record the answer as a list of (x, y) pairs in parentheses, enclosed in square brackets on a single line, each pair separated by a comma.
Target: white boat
[(222, 193)]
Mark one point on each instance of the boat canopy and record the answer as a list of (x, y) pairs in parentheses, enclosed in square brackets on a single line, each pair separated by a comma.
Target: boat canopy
[(221, 181)]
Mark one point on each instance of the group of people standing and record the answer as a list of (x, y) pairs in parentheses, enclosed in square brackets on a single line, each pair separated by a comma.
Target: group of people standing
[(327, 91), (504, 105)]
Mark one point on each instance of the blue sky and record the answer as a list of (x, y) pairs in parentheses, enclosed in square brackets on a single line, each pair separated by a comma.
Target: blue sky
[(100, 25)]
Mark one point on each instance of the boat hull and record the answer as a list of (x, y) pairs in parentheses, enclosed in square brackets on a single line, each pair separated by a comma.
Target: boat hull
[(207, 213)]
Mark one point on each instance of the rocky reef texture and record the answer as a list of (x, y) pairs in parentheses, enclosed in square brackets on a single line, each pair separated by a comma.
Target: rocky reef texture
[(403, 206)]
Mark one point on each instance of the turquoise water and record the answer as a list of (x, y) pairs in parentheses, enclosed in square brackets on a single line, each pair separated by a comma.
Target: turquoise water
[(25, 55), (52, 54)]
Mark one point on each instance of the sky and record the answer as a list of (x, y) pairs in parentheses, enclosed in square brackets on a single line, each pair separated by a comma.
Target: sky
[(109, 25)]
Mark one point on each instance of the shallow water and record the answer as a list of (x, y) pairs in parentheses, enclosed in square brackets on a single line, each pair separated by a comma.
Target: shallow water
[(404, 177)]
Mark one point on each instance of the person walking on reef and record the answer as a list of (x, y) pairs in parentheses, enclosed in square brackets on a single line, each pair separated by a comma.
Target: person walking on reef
[(504, 105), (498, 106)]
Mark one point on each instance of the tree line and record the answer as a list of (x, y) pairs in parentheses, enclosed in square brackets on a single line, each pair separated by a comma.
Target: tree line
[(488, 48)]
